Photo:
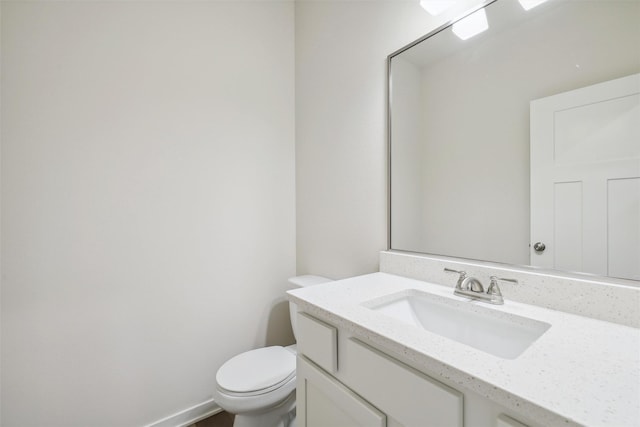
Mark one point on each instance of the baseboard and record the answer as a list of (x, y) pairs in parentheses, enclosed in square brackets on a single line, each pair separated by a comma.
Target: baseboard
[(189, 416)]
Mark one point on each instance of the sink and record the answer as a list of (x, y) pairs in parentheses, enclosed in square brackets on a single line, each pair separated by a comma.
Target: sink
[(495, 332)]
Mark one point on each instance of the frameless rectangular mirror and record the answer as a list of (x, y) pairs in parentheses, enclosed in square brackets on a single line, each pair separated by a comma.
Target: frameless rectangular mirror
[(521, 144)]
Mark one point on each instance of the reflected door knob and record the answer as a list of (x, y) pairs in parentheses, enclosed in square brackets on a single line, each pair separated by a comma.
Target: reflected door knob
[(539, 247)]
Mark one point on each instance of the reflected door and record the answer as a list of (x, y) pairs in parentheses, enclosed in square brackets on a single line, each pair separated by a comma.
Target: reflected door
[(585, 179)]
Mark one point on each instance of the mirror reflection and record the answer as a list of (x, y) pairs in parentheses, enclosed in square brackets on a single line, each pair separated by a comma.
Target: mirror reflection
[(519, 143)]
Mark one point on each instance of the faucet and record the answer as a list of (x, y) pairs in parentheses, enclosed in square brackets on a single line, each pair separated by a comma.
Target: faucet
[(472, 288), (472, 284)]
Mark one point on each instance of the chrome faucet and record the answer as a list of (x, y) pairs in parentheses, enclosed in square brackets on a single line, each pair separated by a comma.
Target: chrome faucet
[(472, 284), (471, 287)]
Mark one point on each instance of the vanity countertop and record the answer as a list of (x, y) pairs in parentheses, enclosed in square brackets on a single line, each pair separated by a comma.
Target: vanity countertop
[(581, 371)]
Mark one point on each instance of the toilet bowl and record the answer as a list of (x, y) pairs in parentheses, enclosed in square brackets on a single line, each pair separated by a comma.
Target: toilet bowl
[(258, 386)]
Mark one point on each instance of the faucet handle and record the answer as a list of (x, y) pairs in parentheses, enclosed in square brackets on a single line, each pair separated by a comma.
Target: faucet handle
[(494, 289), (449, 270), (495, 280), (463, 275)]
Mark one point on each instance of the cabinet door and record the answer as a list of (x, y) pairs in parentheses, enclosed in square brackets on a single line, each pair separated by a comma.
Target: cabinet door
[(324, 402)]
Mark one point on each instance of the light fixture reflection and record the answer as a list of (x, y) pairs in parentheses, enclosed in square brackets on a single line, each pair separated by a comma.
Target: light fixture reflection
[(530, 4), (436, 7), (471, 25)]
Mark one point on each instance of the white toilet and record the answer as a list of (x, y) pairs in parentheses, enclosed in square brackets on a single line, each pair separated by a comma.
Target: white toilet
[(259, 386)]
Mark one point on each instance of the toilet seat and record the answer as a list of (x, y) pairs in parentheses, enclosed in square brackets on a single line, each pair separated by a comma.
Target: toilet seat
[(256, 380), (257, 371)]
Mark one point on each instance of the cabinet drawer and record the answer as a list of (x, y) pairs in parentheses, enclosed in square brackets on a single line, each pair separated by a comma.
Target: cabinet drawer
[(318, 341), (398, 390)]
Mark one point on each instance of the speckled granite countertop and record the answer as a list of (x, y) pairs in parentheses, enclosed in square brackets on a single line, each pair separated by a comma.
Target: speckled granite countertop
[(581, 371)]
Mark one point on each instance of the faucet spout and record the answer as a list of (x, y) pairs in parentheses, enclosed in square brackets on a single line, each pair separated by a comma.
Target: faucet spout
[(472, 284), (470, 287)]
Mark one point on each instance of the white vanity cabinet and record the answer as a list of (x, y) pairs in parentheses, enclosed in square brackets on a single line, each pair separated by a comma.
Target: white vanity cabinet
[(345, 382), (361, 386)]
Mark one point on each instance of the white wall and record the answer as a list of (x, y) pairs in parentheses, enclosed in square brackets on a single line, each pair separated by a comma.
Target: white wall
[(147, 202), (407, 216), (341, 194)]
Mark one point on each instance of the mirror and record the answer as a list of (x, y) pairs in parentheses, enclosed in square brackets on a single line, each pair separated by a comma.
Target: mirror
[(524, 135)]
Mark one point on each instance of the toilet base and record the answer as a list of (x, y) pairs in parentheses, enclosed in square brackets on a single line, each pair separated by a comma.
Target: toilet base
[(283, 415)]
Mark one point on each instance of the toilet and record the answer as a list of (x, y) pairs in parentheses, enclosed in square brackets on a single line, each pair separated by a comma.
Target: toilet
[(258, 386)]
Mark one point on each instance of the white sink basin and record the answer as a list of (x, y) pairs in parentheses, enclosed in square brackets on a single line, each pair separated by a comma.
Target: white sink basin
[(495, 332)]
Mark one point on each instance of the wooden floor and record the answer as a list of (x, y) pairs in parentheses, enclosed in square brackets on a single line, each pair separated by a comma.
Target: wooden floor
[(222, 419)]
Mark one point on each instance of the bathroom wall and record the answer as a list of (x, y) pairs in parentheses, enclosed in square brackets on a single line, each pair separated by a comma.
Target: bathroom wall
[(147, 202), (341, 142), (341, 194), (341, 132)]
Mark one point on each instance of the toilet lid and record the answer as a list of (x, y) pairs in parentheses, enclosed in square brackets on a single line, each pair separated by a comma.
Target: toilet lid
[(257, 369)]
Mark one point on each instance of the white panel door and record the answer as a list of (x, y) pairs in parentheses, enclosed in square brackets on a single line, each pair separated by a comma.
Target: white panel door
[(585, 179)]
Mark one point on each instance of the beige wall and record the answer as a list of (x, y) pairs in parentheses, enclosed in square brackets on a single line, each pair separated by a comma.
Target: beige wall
[(147, 202), (341, 185)]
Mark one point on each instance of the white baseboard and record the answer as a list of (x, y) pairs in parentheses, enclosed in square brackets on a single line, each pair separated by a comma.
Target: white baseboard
[(189, 416)]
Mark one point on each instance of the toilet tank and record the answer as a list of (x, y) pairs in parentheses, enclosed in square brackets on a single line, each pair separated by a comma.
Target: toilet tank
[(301, 282)]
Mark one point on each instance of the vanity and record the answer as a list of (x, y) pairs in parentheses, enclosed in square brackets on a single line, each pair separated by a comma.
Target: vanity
[(370, 355)]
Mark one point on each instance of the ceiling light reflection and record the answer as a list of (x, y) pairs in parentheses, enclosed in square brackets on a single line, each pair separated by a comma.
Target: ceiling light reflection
[(471, 25), (530, 4)]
